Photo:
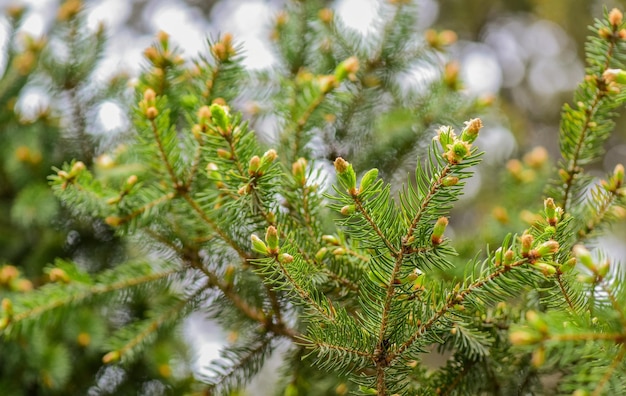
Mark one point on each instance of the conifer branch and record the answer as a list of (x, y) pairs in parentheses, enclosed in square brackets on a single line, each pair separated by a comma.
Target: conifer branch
[(121, 220), (610, 371), (361, 209), (452, 301), (163, 154), (559, 281)]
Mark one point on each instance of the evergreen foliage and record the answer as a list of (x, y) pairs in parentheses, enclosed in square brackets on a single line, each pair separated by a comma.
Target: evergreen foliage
[(352, 277)]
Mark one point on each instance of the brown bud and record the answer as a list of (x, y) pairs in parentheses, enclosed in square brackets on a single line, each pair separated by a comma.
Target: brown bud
[(615, 17)]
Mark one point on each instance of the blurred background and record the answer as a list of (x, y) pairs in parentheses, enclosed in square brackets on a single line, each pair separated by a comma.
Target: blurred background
[(525, 55)]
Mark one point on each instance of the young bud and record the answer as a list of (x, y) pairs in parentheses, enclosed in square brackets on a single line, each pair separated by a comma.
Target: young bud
[(539, 357), (347, 68), (151, 113), (347, 210), (498, 257), (339, 252), (509, 257), (457, 152), (536, 157), (552, 215), (111, 357), (254, 165), (298, 170), (346, 175), (524, 337), (547, 248), (615, 17), (603, 269), (271, 238), (326, 15), (327, 83), (545, 268), (220, 117), (368, 179), (330, 239), (7, 307), (204, 114), (149, 95), (440, 227), (224, 154), (614, 76), (113, 221), (584, 256), (285, 258), (258, 245), (58, 275), (131, 181), (319, 256), (527, 242), (470, 132), (267, 159), (445, 136), (618, 175), (450, 181)]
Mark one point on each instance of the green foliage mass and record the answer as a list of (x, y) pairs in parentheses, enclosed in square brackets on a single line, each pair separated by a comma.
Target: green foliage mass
[(353, 278)]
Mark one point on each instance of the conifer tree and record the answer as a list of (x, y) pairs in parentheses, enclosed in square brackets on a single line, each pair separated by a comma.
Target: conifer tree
[(353, 276)]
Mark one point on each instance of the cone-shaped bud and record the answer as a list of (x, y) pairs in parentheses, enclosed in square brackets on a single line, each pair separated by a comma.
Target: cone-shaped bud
[(536, 322), (319, 256), (224, 154), (111, 357), (229, 274), (547, 248), (545, 268), (539, 357), (271, 238), (615, 17), (457, 152), (204, 114), (470, 132), (339, 252), (536, 158), (445, 136), (368, 179), (569, 264), (326, 83), (213, 172), (603, 269), (551, 210), (258, 245), (298, 170), (618, 175), (440, 227), (498, 257), (271, 217), (267, 159), (58, 275), (325, 15), (614, 76), (151, 113), (450, 181), (7, 307), (509, 256), (131, 181), (346, 174), (584, 256), (253, 166), (149, 96), (347, 68), (524, 337), (527, 242), (331, 239), (77, 168), (285, 258), (220, 116), (347, 210)]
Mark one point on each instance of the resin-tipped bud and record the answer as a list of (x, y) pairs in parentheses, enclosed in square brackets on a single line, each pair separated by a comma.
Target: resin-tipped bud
[(347, 210), (509, 256), (450, 181), (614, 75), (258, 245), (285, 258), (470, 132), (438, 230), (267, 159), (368, 179)]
